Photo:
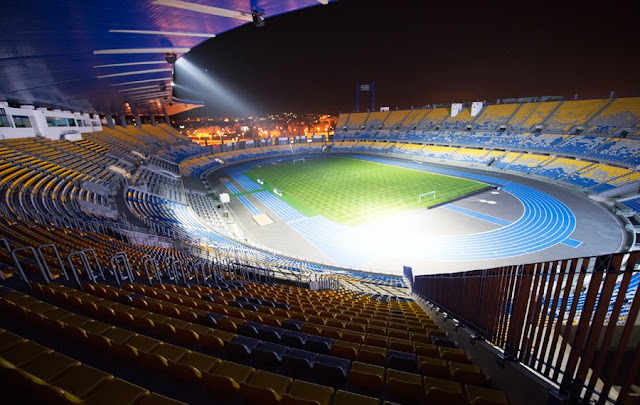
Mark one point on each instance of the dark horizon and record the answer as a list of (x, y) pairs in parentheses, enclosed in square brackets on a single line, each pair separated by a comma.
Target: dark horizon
[(418, 53)]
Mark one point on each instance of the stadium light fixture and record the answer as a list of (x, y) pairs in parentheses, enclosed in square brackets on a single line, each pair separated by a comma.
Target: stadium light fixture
[(256, 16), (171, 58)]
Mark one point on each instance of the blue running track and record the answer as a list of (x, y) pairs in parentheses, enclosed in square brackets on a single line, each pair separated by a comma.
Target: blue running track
[(545, 222)]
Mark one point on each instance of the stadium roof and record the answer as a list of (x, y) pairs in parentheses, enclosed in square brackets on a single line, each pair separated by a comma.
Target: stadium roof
[(109, 57)]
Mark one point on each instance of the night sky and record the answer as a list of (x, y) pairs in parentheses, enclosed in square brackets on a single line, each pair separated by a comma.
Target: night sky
[(419, 52)]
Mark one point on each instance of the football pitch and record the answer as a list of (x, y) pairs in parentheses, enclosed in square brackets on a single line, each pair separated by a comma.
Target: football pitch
[(353, 191)]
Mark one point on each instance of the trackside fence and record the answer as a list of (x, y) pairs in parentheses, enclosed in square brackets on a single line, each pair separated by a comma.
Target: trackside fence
[(573, 321)]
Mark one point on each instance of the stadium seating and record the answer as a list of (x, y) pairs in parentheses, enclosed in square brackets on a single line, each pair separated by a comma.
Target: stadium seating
[(561, 167), (219, 319), (433, 118), (395, 119), (518, 118), (509, 127), (573, 113), (414, 118), (376, 119), (357, 120), (621, 113), (495, 115), (169, 330), (459, 121), (539, 114)]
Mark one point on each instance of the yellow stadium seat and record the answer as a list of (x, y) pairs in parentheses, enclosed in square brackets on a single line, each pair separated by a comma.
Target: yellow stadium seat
[(349, 398), (443, 392), (305, 393), (404, 386), (367, 377), (485, 396), (265, 388)]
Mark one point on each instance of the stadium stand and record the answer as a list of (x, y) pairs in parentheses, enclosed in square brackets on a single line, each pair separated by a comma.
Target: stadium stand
[(395, 119), (507, 127), (414, 117), (521, 115), (572, 113), (129, 284), (621, 113), (459, 121), (495, 115), (433, 118), (357, 120), (561, 167), (540, 113), (376, 119)]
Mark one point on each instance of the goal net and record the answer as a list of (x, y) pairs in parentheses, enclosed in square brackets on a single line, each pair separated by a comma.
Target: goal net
[(431, 195), (301, 160)]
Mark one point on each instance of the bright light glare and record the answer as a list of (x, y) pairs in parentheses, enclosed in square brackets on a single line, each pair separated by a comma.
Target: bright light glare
[(210, 88)]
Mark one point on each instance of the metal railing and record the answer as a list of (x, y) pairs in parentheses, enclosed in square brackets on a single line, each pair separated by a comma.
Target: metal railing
[(572, 321)]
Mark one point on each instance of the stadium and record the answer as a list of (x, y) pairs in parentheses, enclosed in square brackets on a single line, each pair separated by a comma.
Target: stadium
[(468, 252)]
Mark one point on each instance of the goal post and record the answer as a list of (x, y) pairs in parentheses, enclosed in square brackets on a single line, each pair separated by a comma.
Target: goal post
[(299, 160), (430, 195)]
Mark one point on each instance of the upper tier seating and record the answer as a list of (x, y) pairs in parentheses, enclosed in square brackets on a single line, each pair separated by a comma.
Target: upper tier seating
[(375, 119), (395, 118), (621, 113), (357, 120), (495, 115), (520, 127), (521, 115), (459, 121), (540, 114), (572, 113), (433, 118)]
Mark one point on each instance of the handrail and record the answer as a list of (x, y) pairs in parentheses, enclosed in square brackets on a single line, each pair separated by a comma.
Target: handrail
[(145, 260), (95, 258), (570, 320), (193, 270), (5, 244), (174, 266), (116, 260), (14, 256), (44, 262), (202, 265), (85, 264)]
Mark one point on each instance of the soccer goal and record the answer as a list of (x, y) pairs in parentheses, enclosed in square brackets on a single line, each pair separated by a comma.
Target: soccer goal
[(300, 160), (431, 195)]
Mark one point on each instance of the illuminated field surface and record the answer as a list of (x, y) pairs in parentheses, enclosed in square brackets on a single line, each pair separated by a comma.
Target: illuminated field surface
[(354, 192)]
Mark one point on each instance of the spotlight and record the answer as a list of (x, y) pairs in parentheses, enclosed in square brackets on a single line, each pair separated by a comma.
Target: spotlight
[(170, 58), (258, 21)]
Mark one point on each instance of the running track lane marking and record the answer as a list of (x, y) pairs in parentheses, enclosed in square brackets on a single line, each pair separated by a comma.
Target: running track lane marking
[(498, 221)]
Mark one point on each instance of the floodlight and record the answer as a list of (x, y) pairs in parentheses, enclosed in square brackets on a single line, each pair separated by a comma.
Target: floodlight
[(258, 21), (171, 58)]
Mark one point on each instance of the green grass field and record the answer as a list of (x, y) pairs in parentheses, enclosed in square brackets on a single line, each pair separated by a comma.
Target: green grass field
[(354, 191)]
